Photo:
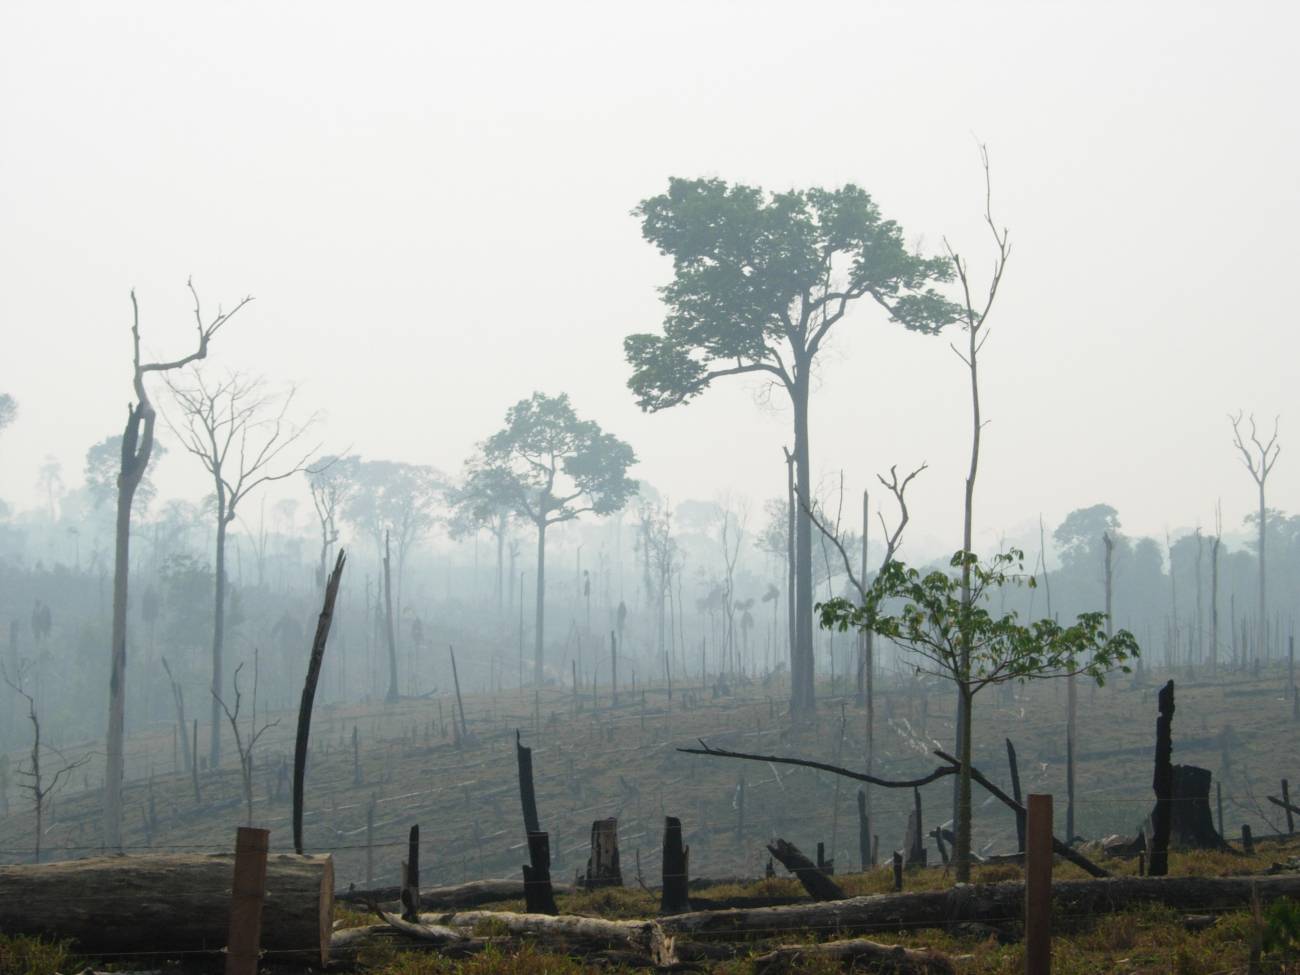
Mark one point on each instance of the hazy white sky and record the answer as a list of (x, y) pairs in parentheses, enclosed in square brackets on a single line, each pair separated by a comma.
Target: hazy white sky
[(431, 203)]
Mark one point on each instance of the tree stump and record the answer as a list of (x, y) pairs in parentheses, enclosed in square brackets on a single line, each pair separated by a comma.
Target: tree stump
[(675, 898), (602, 866)]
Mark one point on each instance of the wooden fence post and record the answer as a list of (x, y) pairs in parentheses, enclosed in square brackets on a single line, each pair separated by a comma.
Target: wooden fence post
[(1038, 886), (246, 894)]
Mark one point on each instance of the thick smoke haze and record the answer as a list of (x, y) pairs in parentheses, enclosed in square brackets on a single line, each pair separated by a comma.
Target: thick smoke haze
[(431, 205)]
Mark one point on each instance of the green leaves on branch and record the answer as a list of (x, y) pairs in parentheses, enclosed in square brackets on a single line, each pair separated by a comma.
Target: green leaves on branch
[(759, 278), (549, 466), (962, 641)]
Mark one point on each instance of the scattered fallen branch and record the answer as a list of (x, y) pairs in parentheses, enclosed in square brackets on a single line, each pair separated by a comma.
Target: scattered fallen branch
[(706, 749)]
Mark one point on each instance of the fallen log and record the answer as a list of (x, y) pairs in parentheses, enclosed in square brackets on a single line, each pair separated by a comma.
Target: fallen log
[(814, 879), (639, 937), (988, 903), (174, 902), (857, 955), (471, 894)]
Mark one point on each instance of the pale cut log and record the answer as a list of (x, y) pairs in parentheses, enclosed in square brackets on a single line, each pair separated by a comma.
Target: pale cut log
[(641, 937), (856, 955), (172, 902), (989, 903), (449, 897)]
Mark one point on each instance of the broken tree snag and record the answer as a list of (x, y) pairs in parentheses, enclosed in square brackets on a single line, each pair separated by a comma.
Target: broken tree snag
[(527, 797), (462, 736), (857, 955), (539, 896), (1015, 794), (675, 898), (309, 696), (864, 831), (1163, 784), (817, 883), (1286, 804), (898, 871), (410, 892), (114, 917), (985, 903), (916, 855), (602, 866)]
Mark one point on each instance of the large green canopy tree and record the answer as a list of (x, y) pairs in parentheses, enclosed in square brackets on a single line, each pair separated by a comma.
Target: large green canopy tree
[(553, 467), (759, 281)]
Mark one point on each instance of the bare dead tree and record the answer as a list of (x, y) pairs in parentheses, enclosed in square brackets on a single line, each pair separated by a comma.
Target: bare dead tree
[(893, 542), (731, 532), (974, 320), (1259, 458), (137, 448), (1214, 588), (241, 433), (244, 748), (178, 697), (34, 773)]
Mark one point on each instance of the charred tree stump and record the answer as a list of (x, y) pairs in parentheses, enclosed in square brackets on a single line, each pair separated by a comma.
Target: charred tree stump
[(864, 831), (817, 883), (898, 871), (1247, 842), (603, 869), (916, 853), (1163, 784), (824, 865), (539, 895), (1191, 822), (410, 892), (675, 898), (1286, 804)]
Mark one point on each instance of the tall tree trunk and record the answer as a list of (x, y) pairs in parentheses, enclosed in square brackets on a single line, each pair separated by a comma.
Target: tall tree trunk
[(1214, 604), (789, 565), (963, 845), (132, 470), (501, 561), (218, 630), (1263, 577), (541, 603), (962, 814), (390, 633), (804, 693)]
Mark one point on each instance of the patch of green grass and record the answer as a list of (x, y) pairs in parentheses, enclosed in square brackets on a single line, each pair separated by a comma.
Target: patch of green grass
[(21, 955)]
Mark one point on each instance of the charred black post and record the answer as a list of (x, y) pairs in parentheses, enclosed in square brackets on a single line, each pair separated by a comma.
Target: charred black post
[(1163, 784)]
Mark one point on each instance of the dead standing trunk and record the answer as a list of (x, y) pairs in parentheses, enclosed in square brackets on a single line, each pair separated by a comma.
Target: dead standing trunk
[(218, 626), (389, 633), (803, 665), (540, 619), (134, 462)]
